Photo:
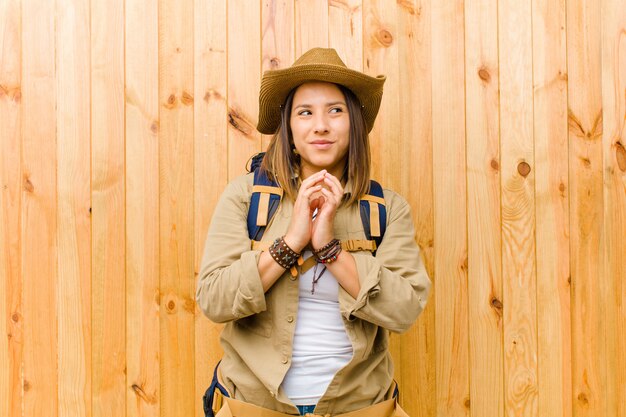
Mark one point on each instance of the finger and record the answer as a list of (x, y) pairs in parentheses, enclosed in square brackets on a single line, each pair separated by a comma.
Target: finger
[(335, 180), (310, 191), (330, 196), (314, 178), (334, 185)]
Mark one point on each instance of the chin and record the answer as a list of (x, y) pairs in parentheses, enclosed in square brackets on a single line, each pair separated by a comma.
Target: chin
[(322, 161)]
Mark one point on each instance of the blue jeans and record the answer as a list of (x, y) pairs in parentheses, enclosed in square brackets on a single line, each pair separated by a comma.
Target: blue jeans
[(305, 409)]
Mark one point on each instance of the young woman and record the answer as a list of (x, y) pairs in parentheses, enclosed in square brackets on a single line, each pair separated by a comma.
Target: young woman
[(314, 340)]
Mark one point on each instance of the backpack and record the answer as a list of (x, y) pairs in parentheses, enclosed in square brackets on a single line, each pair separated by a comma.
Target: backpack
[(266, 197)]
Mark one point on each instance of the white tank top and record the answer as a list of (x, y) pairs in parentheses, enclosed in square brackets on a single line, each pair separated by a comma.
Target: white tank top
[(321, 345)]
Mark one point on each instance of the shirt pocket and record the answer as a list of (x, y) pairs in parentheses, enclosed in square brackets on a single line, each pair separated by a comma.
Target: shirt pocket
[(260, 323)]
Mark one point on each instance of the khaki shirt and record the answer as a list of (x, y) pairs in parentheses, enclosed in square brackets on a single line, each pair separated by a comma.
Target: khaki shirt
[(257, 338)]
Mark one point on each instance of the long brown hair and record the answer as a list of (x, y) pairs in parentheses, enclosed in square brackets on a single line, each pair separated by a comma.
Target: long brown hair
[(281, 164)]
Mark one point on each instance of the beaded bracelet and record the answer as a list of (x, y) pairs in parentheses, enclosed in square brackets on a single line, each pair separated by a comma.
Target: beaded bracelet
[(328, 253), (283, 254)]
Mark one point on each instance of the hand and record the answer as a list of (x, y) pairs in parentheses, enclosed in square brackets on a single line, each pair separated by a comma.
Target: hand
[(322, 229), (299, 231)]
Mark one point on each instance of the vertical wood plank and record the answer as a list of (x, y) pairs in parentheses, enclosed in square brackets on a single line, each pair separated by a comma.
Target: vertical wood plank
[(613, 25), (176, 162), (417, 346), (345, 31), (141, 67), (586, 207), (11, 313), (380, 43), (39, 210), (74, 205), (311, 25), (552, 209), (210, 166), (450, 193), (244, 80), (483, 199), (107, 178), (277, 39), (518, 208)]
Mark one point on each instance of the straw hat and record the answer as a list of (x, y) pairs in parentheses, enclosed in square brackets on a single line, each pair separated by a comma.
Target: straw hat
[(317, 64)]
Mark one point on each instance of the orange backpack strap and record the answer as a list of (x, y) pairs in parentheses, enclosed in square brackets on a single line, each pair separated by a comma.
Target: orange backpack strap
[(374, 214)]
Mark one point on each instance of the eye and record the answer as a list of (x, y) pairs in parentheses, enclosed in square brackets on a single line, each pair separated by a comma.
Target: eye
[(336, 110), (304, 113)]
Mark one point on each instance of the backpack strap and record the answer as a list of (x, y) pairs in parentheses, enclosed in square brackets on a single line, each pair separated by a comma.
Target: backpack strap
[(266, 196), (374, 213)]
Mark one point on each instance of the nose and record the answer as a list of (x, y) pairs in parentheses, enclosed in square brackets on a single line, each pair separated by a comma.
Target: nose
[(321, 124)]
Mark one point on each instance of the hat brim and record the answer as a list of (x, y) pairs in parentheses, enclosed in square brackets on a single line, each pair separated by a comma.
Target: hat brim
[(276, 85)]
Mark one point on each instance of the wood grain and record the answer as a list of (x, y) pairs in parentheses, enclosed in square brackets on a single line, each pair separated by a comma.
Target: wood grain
[(11, 282), (176, 206), (108, 214), (612, 287), (345, 31), (110, 171), (380, 34), (244, 81), (586, 207), (39, 249), (450, 206), (74, 205), (311, 25), (380, 54), (416, 348), (518, 209), (143, 397), (210, 165), (483, 200), (554, 347), (277, 39)]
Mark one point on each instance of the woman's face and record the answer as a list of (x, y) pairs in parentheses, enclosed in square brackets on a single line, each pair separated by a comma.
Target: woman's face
[(320, 125)]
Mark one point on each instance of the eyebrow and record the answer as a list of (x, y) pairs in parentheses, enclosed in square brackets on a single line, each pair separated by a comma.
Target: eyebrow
[(332, 103)]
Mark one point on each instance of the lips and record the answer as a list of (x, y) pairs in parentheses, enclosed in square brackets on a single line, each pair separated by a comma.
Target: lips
[(322, 144)]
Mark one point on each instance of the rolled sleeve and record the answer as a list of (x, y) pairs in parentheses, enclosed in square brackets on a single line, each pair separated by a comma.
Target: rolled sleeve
[(229, 285), (394, 284)]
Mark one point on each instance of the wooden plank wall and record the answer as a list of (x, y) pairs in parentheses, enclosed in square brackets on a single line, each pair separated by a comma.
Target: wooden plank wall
[(503, 124)]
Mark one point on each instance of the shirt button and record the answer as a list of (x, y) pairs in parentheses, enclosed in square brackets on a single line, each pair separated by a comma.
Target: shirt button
[(285, 360), (290, 319), (291, 277), (272, 393)]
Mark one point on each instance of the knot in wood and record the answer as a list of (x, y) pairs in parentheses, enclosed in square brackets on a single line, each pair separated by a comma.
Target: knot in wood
[(28, 186), (496, 304), (170, 306), (171, 101), (523, 168), (495, 165), (620, 156), (384, 37), (484, 75), (186, 99)]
